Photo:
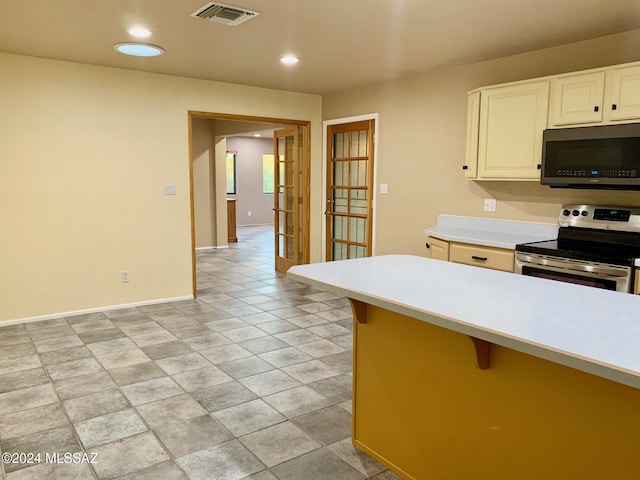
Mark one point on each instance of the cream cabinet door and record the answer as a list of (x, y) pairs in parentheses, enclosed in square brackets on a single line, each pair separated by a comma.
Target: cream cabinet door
[(512, 120), (577, 99), (438, 249), (473, 120), (625, 93)]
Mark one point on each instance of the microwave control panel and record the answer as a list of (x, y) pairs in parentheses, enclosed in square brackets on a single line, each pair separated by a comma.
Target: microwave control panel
[(597, 173)]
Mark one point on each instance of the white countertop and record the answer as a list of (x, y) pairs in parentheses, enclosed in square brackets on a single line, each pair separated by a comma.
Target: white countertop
[(490, 232), (593, 330)]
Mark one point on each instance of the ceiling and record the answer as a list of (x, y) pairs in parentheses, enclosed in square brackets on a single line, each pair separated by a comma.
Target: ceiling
[(341, 43)]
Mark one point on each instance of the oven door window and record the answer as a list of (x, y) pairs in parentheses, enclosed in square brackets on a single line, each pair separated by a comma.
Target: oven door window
[(570, 278)]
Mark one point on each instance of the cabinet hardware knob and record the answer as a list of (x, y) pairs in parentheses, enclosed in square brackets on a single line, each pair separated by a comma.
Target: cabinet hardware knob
[(427, 245), (614, 107), (466, 167), (596, 108), (480, 259), (539, 166)]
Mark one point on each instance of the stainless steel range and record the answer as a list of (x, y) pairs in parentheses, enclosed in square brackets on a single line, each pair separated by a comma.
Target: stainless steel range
[(597, 246)]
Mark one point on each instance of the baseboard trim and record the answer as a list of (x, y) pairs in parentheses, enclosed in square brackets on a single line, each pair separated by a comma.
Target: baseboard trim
[(198, 249), (92, 310)]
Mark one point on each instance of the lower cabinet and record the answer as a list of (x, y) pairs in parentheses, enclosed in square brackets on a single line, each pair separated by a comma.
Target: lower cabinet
[(479, 256), (438, 249), (636, 289)]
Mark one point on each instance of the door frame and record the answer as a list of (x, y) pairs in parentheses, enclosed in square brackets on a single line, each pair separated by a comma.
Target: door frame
[(306, 165), (374, 197)]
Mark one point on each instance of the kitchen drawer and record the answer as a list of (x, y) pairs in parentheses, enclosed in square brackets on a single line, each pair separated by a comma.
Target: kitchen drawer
[(488, 257)]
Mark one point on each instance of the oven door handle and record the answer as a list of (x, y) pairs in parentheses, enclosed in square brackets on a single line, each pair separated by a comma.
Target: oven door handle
[(585, 268)]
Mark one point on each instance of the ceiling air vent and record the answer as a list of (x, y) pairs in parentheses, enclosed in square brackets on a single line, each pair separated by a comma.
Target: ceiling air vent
[(225, 14)]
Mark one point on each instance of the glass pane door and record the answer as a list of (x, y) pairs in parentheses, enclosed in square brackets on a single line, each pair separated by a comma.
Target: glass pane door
[(287, 179), (349, 190)]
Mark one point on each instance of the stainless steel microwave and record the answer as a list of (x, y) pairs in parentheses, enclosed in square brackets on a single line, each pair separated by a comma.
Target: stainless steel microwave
[(604, 157)]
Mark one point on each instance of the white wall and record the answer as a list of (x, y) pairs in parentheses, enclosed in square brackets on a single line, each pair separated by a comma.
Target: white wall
[(249, 180), (84, 154), (203, 182)]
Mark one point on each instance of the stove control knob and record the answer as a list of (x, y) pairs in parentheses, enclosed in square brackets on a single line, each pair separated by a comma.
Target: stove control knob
[(575, 213), (566, 212), (584, 213)]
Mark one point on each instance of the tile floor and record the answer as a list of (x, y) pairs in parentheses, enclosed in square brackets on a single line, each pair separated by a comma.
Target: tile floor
[(251, 380)]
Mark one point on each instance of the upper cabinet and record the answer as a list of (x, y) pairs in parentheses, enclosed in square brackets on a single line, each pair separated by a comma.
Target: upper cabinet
[(512, 119), (576, 99), (625, 94), (604, 97), (505, 122)]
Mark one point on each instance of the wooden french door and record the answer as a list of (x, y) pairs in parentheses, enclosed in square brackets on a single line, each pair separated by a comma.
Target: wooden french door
[(290, 209), (349, 196)]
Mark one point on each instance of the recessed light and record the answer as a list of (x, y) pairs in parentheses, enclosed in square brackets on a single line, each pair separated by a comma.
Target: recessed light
[(139, 49), (139, 32), (289, 60)]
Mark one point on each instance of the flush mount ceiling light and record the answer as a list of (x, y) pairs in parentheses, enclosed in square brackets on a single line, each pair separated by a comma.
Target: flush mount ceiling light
[(139, 49), (139, 32), (289, 60)]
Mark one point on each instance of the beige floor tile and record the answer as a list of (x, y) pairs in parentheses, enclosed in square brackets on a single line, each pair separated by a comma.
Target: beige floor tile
[(277, 444)]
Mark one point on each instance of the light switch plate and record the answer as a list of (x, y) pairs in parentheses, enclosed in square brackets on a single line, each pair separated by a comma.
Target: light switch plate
[(384, 188), (169, 188)]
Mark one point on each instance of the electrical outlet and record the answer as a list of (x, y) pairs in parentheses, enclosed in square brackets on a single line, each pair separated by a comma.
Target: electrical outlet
[(384, 188), (490, 204), (124, 276), (249, 213)]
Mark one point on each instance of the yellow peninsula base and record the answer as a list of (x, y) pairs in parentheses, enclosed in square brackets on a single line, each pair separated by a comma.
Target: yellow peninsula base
[(424, 408)]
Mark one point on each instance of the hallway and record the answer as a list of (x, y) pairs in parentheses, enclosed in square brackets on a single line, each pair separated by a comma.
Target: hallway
[(250, 380)]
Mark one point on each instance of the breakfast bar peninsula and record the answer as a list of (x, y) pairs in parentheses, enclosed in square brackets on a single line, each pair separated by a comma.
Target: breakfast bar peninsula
[(467, 373)]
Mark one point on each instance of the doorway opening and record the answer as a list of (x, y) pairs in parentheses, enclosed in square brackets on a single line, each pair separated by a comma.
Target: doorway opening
[(210, 213)]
